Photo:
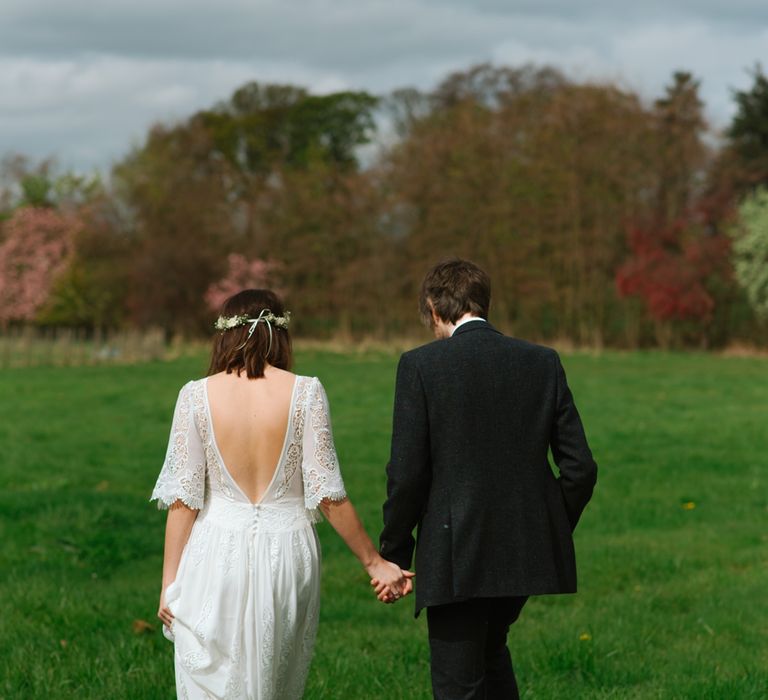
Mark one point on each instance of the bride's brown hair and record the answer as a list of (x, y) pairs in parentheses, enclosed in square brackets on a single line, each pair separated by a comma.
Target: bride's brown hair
[(234, 351)]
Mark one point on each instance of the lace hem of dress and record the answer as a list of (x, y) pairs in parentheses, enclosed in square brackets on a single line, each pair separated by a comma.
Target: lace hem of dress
[(166, 498), (313, 501)]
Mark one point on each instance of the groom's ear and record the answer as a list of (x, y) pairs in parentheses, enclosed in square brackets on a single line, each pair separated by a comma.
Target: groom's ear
[(435, 318)]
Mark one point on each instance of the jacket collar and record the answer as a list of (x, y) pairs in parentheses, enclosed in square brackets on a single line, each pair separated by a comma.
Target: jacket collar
[(474, 325)]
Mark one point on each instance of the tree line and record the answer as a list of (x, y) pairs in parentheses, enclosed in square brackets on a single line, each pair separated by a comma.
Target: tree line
[(603, 218)]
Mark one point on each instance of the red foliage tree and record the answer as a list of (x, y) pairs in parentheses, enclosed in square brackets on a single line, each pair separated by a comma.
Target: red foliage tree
[(669, 269)]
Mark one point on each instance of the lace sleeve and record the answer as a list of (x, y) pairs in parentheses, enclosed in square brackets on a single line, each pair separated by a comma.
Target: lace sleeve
[(320, 465), (183, 474)]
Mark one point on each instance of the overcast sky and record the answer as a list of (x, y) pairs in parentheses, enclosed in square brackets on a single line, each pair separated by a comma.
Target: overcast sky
[(82, 79)]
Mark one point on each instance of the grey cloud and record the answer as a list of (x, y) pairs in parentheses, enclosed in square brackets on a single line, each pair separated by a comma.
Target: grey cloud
[(332, 33), (733, 12), (84, 78), (90, 110)]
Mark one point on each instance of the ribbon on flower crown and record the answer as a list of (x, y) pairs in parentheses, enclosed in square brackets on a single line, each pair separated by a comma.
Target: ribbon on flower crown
[(266, 316)]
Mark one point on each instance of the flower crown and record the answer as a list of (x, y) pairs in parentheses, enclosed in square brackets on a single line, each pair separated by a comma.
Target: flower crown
[(225, 323)]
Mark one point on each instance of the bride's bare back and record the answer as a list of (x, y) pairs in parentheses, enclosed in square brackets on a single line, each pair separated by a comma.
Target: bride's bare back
[(250, 419)]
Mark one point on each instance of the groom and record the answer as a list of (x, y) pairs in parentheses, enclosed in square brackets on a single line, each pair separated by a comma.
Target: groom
[(475, 414)]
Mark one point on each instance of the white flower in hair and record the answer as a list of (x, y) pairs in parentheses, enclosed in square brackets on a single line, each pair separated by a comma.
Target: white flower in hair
[(224, 323), (279, 321)]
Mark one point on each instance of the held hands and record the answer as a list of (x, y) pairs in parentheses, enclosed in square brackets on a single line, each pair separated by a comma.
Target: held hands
[(389, 581)]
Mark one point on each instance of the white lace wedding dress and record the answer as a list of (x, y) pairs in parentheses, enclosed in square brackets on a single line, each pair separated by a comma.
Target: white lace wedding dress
[(247, 592)]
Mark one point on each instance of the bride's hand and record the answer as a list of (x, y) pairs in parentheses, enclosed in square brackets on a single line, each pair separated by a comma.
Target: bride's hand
[(163, 612), (389, 581)]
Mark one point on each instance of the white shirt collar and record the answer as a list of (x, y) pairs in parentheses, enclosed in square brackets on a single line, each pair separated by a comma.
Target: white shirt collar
[(466, 320)]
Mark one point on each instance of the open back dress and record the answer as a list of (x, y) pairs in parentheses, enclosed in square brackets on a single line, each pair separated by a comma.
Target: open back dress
[(247, 592)]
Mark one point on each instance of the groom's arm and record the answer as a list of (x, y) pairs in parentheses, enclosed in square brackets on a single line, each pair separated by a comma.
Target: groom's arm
[(408, 471), (578, 471)]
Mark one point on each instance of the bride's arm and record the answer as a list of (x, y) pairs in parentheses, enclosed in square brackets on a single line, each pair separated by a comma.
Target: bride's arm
[(344, 519), (324, 487), (177, 529)]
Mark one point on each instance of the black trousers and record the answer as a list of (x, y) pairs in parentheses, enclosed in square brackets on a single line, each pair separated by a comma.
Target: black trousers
[(468, 645)]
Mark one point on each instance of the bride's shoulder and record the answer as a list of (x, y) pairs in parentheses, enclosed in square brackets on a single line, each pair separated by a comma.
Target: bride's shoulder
[(309, 385), (306, 380), (302, 377), (189, 395), (192, 388), (190, 385)]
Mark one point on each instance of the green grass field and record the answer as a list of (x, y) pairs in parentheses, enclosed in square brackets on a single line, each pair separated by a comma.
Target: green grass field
[(672, 551)]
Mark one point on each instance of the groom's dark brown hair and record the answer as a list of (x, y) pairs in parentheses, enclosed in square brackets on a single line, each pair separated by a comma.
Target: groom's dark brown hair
[(455, 287)]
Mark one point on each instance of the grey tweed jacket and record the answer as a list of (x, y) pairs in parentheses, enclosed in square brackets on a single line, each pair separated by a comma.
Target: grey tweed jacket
[(474, 418)]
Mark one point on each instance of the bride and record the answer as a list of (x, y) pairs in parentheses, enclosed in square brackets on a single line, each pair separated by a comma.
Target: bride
[(250, 462)]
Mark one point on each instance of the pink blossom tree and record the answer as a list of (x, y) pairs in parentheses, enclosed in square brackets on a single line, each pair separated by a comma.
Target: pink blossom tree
[(37, 244), (241, 274)]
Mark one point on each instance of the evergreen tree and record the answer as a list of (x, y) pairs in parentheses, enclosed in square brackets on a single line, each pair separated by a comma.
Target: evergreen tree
[(748, 133)]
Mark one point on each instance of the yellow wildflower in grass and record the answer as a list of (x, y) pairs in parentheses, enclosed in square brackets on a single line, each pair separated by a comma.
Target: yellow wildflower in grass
[(688, 505), (585, 637)]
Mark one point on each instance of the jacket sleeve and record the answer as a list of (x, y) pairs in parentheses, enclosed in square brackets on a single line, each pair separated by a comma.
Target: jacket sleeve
[(409, 469), (578, 470)]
